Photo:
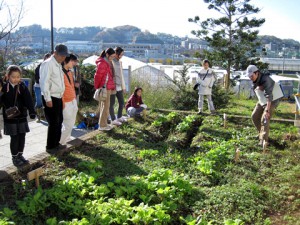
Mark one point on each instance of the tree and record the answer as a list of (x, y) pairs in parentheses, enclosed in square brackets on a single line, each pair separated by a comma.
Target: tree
[(12, 15), (10, 19), (232, 36)]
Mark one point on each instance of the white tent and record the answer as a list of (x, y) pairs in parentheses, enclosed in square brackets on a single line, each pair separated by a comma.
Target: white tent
[(126, 62), (90, 61), (33, 65), (135, 64)]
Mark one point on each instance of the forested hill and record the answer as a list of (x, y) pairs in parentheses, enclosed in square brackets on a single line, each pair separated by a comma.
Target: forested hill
[(122, 34), (289, 43)]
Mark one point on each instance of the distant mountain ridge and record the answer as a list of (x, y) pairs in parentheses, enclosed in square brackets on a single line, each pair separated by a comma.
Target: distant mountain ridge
[(123, 34)]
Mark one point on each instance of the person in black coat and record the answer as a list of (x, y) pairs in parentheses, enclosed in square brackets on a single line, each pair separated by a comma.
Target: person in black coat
[(15, 93)]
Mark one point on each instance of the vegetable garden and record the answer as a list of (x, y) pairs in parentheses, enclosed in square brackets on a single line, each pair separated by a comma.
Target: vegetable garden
[(172, 168)]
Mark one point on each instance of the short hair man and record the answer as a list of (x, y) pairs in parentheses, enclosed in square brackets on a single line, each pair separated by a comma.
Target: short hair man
[(52, 88), (263, 85)]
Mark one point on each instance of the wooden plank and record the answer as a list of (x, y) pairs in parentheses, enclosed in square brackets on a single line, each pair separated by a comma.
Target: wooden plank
[(35, 174)]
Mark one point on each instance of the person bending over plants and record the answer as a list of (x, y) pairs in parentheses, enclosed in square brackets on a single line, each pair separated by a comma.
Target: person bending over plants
[(135, 105)]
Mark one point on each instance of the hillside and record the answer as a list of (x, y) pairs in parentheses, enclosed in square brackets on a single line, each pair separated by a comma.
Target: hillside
[(122, 34)]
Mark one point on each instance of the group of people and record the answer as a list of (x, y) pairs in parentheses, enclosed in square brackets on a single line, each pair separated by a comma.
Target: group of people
[(109, 75), (57, 93)]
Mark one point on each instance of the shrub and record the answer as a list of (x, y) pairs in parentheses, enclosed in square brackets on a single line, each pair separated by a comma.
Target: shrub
[(154, 96)]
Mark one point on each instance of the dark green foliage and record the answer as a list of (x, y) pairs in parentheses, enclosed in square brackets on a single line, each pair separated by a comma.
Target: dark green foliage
[(232, 36), (185, 100)]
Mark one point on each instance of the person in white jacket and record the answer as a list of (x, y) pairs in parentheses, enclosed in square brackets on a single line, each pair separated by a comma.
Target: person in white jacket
[(205, 80), (120, 89), (52, 87)]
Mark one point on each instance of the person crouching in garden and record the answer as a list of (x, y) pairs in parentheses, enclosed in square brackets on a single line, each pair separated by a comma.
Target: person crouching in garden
[(269, 94), (134, 105), (16, 94), (205, 81), (104, 78), (70, 107)]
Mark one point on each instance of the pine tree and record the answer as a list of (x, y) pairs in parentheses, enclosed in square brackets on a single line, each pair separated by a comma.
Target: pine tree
[(232, 36)]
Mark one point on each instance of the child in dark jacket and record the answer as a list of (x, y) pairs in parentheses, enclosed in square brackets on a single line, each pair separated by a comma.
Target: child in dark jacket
[(135, 105), (2, 80), (16, 127)]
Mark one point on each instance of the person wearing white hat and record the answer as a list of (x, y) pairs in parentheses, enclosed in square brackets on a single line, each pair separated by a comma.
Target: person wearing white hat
[(268, 100)]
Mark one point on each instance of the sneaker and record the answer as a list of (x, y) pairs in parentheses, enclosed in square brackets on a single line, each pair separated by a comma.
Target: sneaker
[(17, 162), (105, 128), (21, 157), (116, 122), (200, 113), (122, 120)]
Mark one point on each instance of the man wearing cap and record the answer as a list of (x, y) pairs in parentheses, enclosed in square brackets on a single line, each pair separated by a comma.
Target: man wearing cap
[(263, 86), (52, 88)]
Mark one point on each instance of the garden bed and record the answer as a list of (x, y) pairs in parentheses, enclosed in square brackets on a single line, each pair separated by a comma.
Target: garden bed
[(171, 168)]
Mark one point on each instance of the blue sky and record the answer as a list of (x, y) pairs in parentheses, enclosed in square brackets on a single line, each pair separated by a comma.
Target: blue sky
[(168, 16)]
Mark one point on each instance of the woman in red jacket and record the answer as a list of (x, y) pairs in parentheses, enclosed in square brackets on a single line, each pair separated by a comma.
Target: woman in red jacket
[(104, 77)]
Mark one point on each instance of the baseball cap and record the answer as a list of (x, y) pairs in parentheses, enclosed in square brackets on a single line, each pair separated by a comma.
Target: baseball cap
[(251, 69), (62, 50)]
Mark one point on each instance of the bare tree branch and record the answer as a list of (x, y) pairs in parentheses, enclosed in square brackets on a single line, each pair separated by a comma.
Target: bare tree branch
[(13, 17)]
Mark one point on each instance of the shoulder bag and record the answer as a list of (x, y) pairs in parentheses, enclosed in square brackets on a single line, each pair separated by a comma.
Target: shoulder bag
[(13, 112), (197, 84), (101, 93)]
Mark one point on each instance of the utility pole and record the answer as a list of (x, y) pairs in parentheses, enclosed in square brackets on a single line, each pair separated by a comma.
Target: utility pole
[(283, 49), (173, 51), (52, 35)]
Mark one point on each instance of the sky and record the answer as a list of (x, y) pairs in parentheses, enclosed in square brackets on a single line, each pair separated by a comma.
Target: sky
[(166, 16)]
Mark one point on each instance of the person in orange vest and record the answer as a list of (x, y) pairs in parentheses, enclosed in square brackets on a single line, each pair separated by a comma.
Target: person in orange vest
[(70, 107)]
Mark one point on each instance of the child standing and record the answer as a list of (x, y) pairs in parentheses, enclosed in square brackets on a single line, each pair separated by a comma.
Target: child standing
[(69, 99), (1, 104), (15, 93)]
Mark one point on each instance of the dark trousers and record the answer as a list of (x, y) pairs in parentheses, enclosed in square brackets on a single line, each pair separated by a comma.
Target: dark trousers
[(17, 143), (120, 98), (54, 116)]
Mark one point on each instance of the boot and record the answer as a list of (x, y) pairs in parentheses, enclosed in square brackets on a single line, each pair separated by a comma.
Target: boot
[(17, 161), (21, 157)]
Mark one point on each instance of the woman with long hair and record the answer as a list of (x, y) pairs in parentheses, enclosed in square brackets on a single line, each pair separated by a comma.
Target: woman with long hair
[(104, 78)]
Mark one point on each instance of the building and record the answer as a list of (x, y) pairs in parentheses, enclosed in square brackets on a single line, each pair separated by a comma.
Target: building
[(84, 46), (279, 65), (137, 49)]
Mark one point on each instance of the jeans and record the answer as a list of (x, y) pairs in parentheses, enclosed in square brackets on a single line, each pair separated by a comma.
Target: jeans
[(120, 98), (131, 111), (209, 101), (54, 116), (38, 97)]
